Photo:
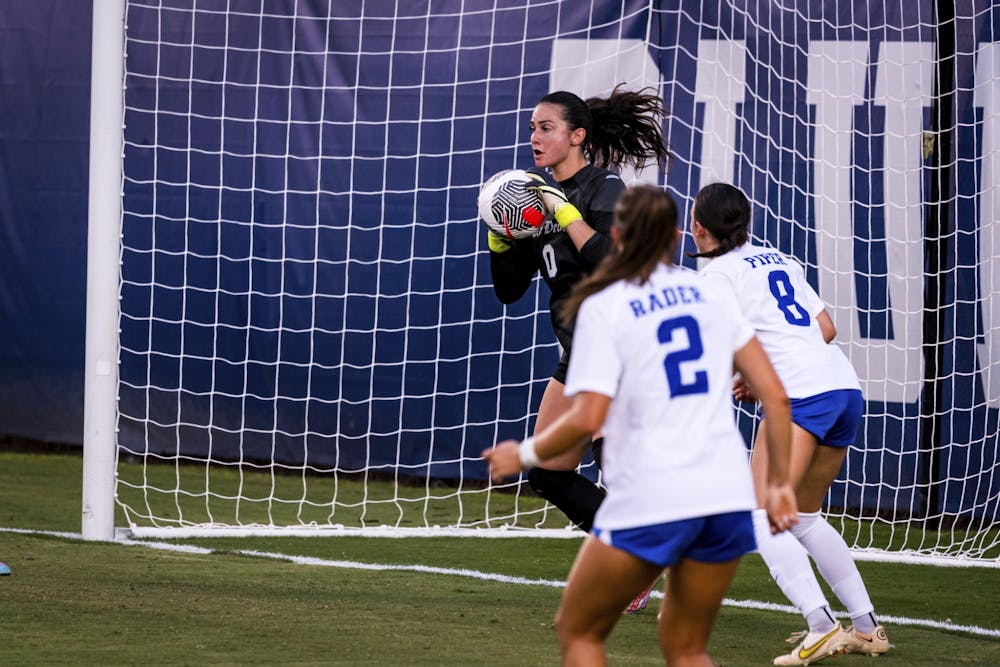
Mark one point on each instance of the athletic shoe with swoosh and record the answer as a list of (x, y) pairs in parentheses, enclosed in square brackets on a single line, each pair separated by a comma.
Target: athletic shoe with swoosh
[(875, 643), (815, 646)]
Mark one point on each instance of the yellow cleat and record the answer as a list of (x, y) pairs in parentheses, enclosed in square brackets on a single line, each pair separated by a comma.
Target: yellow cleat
[(815, 646)]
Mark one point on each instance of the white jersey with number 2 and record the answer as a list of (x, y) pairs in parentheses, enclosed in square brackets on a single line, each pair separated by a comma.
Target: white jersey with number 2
[(663, 351), (772, 291)]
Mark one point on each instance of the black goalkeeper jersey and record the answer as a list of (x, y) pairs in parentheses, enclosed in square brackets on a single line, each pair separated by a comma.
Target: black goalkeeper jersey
[(593, 191)]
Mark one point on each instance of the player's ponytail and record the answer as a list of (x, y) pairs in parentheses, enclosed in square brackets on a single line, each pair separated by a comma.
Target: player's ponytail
[(621, 129), (646, 227), (724, 211), (627, 129)]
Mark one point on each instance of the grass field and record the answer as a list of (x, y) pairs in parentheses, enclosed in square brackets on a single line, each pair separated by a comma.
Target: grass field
[(415, 601)]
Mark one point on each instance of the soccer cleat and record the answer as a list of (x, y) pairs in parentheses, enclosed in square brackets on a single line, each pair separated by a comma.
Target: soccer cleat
[(874, 644), (796, 637), (4, 569), (814, 646), (642, 599)]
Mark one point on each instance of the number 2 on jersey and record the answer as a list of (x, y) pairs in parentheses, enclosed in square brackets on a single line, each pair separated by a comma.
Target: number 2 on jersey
[(672, 362), (784, 294)]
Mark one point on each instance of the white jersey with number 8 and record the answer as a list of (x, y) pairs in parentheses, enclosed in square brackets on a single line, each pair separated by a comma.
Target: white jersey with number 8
[(772, 291)]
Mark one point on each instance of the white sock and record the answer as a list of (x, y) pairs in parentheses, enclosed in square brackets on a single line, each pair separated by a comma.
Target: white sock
[(836, 565), (865, 623), (821, 620), (791, 570)]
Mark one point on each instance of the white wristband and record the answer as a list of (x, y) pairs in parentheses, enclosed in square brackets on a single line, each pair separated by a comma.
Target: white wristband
[(526, 452)]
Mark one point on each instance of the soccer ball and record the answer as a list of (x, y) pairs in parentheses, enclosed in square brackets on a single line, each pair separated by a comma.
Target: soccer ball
[(508, 208)]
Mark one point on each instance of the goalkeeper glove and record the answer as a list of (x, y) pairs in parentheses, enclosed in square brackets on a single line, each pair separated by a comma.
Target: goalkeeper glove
[(553, 197), (496, 242)]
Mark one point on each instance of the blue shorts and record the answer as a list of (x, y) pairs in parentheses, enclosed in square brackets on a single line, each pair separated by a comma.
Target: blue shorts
[(833, 416), (709, 539)]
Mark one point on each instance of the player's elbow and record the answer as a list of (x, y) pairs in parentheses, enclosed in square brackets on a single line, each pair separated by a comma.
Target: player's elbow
[(588, 422), (507, 296), (509, 288), (588, 412), (826, 326)]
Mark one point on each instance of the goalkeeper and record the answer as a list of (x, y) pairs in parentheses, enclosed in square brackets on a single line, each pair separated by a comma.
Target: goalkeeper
[(584, 144)]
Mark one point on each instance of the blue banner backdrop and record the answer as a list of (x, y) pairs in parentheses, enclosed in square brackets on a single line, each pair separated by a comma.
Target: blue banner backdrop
[(44, 126)]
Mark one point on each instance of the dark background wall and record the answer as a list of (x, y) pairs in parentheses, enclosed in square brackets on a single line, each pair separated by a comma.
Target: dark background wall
[(44, 125)]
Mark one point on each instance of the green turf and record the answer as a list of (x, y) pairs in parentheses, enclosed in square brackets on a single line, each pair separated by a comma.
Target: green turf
[(193, 493), (70, 602)]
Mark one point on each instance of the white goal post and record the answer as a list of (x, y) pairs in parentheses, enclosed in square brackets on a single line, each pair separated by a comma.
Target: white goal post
[(104, 224), (291, 326)]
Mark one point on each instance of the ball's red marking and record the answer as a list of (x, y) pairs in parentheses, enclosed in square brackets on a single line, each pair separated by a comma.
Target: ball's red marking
[(532, 216)]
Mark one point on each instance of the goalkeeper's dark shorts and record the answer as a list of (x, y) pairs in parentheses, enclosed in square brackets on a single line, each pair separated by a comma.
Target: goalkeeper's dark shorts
[(560, 372)]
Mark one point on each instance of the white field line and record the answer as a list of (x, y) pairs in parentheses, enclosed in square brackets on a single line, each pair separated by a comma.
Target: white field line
[(501, 578)]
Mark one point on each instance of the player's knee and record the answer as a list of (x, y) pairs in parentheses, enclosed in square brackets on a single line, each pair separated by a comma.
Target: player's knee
[(560, 624), (566, 630), (548, 483), (571, 628), (807, 521), (683, 648)]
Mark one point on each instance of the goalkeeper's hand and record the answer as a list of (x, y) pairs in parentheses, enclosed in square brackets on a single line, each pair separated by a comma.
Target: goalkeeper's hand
[(496, 242), (553, 197)]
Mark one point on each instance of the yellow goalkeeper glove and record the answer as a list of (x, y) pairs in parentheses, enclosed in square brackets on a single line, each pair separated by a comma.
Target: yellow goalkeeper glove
[(553, 197), (496, 242)]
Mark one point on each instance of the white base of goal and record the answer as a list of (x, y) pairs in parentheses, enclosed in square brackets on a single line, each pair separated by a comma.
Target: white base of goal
[(343, 531)]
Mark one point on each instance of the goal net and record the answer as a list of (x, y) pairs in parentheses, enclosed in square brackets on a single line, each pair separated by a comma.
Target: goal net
[(308, 334)]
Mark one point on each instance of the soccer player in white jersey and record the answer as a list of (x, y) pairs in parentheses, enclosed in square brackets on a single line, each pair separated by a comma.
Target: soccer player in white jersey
[(653, 355), (796, 331)]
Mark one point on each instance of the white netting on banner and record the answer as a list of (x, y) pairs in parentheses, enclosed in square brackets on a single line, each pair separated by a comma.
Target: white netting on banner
[(309, 335)]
